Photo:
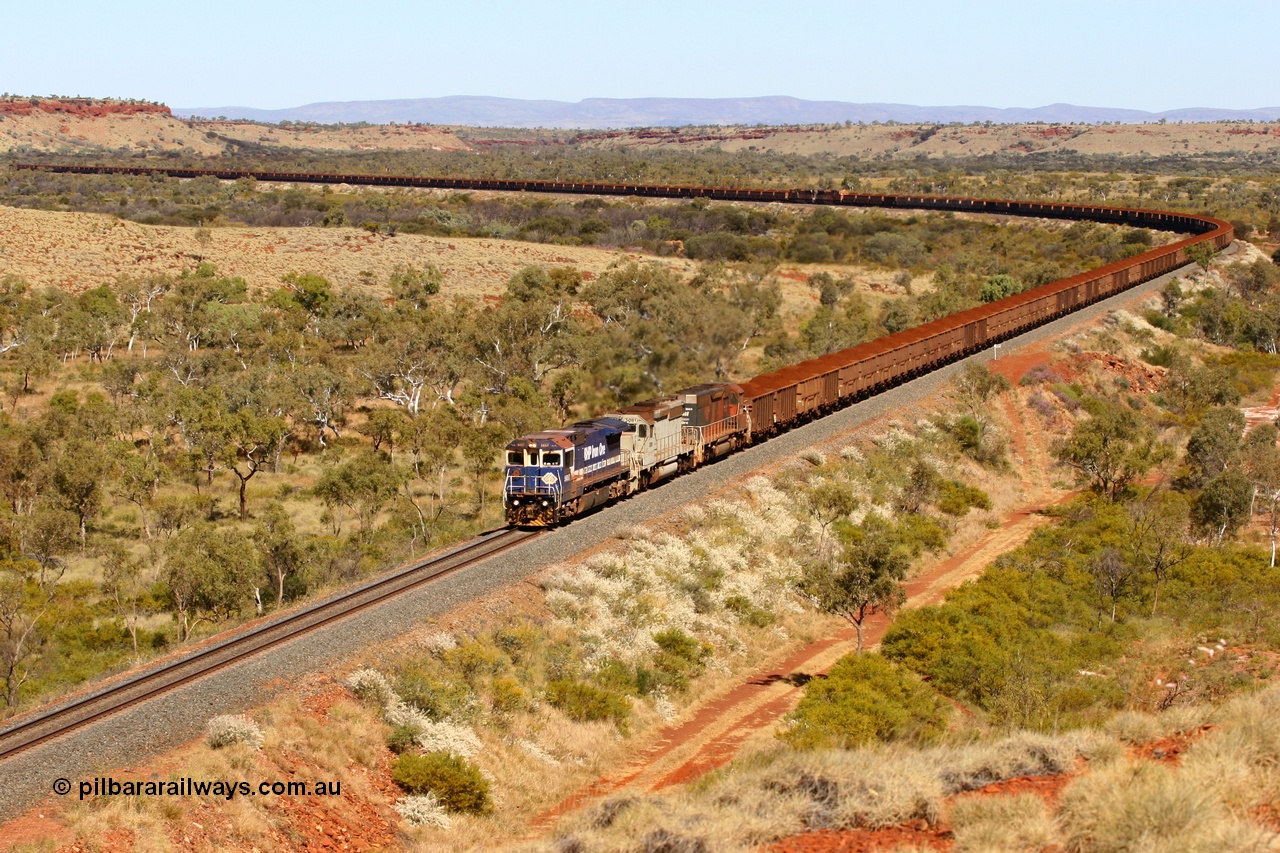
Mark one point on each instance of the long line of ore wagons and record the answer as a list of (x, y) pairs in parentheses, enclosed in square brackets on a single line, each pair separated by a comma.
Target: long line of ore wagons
[(555, 475)]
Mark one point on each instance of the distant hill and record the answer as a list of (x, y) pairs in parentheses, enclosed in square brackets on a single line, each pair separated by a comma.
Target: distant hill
[(608, 113)]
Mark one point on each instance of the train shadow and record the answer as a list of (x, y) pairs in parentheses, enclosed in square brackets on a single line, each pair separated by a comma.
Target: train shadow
[(795, 679)]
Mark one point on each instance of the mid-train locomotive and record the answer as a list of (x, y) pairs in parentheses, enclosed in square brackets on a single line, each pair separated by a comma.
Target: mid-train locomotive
[(554, 475), (652, 440)]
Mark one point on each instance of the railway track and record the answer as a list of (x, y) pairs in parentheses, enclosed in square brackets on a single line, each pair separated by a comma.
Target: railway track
[(169, 720), (46, 725)]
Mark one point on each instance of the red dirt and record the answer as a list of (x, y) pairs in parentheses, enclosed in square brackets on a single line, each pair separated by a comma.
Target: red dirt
[(1014, 367), (1169, 749), (675, 736), (687, 750), (716, 733), (33, 828), (111, 840), (317, 704), (1048, 788), (1265, 414), (1268, 816), (1142, 378), (748, 708)]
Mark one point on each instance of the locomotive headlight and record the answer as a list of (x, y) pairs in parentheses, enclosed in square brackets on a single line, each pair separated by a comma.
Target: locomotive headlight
[(544, 503)]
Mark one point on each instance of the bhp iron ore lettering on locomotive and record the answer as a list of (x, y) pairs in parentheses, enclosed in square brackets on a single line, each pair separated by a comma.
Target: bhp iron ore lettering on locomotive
[(635, 447)]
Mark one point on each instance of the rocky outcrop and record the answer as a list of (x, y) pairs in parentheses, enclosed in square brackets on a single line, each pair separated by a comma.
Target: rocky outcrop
[(87, 107)]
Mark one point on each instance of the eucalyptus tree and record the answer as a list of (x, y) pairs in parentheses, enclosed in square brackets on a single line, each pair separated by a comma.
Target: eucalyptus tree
[(530, 334), (279, 548), (249, 445), (1111, 448), (364, 484), (185, 310), (417, 352), (138, 296), (862, 577), (210, 574), (79, 479), (323, 394), (28, 602), (415, 286)]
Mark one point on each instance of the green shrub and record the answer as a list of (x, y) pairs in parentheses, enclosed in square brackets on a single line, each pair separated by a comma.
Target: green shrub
[(618, 676), (402, 738), (506, 696), (518, 640), (456, 783), (956, 498), (1160, 321), (748, 612), (718, 245), (863, 699), (474, 658), (1160, 356), (645, 682), (680, 657), (1253, 370), (587, 703), (436, 697)]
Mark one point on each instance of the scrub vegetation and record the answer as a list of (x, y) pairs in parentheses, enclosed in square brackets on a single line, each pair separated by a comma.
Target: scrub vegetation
[(1132, 617), (179, 452), (1144, 611)]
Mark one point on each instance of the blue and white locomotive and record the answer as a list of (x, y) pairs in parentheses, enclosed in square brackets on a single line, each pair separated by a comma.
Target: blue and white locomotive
[(558, 474)]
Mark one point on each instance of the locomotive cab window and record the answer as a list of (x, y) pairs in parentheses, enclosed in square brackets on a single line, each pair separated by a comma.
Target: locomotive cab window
[(568, 459), (533, 457), (515, 457), (551, 459)]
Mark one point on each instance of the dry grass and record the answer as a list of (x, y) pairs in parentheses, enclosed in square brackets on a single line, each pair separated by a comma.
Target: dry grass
[(912, 141), (977, 765), (78, 251), (1138, 806), (64, 133), (773, 795), (1137, 727), (344, 745), (1240, 758), (1008, 824), (682, 577), (1117, 804)]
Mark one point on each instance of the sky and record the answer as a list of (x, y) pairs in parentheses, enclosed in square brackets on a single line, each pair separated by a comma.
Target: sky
[(1141, 54)]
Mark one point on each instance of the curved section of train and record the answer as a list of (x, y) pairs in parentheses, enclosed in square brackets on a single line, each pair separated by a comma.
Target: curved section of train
[(555, 475)]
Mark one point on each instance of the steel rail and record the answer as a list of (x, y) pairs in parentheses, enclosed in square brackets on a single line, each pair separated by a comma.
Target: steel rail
[(122, 694), (49, 724)]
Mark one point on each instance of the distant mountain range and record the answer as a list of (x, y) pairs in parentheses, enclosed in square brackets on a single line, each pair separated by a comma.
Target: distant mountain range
[(609, 113)]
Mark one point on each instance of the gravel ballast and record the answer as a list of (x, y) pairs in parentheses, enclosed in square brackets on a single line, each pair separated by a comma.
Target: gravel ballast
[(134, 735)]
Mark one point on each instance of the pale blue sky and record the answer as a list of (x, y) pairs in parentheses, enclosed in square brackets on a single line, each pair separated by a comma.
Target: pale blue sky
[(1143, 54)]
